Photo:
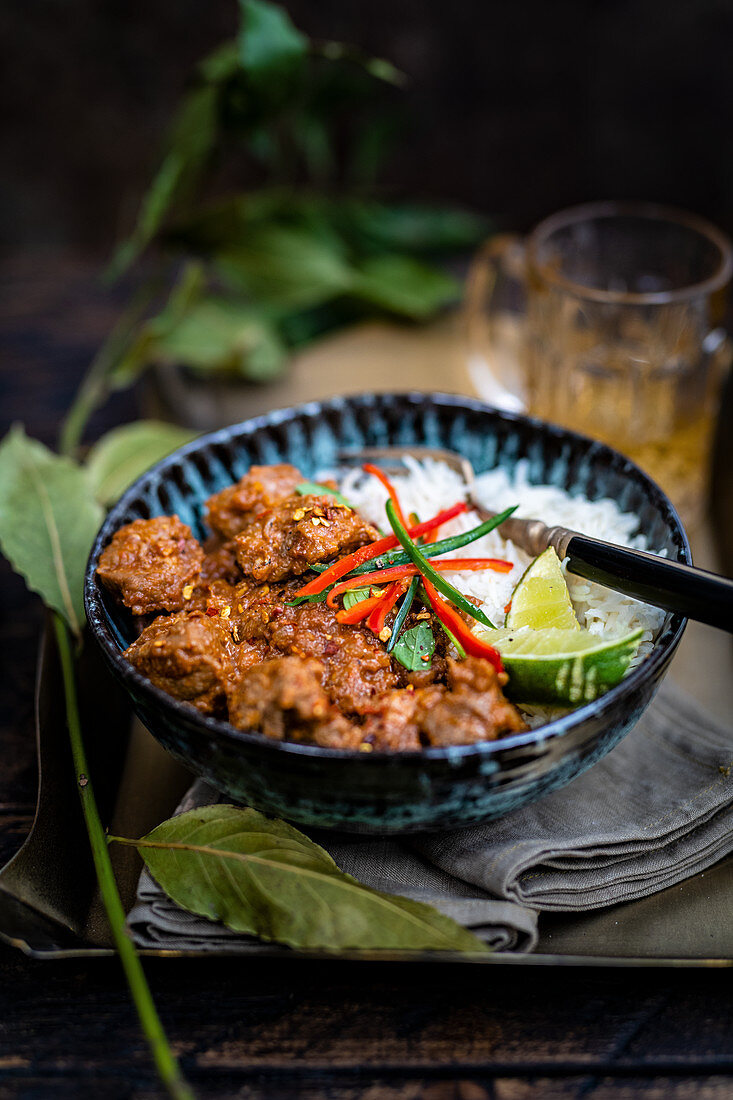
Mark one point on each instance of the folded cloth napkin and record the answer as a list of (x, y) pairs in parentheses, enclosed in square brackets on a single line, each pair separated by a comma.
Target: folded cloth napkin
[(656, 810)]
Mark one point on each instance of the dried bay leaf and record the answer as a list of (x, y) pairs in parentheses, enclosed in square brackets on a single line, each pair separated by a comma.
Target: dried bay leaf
[(48, 520), (264, 877), (121, 455)]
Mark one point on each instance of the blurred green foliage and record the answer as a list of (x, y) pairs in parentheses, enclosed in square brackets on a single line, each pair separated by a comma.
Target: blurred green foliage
[(260, 273)]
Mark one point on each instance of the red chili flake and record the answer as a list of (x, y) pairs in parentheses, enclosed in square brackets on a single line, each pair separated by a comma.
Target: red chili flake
[(212, 611), (507, 607)]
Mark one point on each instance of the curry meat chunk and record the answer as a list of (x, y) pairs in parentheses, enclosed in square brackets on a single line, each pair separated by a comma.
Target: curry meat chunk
[(471, 708), (262, 487), (283, 698), (220, 563), (190, 655), (300, 532), (357, 668), (392, 727), (152, 564)]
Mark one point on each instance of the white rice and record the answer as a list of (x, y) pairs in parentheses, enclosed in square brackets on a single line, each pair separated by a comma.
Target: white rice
[(430, 486)]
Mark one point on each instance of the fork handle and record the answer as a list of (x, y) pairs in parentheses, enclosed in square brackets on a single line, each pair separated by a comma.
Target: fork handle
[(695, 593)]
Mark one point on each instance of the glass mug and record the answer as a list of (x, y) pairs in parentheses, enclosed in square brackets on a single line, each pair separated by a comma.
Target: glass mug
[(606, 320)]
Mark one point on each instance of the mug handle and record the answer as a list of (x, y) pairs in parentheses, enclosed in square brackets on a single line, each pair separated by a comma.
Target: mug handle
[(494, 305)]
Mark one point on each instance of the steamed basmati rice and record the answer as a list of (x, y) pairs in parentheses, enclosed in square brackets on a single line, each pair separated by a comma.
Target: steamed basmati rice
[(429, 486)]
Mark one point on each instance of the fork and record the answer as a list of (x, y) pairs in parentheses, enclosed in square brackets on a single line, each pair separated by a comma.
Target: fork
[(695, 593)]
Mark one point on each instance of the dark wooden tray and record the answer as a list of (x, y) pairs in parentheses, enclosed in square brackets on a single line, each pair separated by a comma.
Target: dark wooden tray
[(49, 907)]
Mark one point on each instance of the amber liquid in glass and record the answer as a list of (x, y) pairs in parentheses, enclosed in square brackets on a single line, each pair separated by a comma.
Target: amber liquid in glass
[(635, 379)]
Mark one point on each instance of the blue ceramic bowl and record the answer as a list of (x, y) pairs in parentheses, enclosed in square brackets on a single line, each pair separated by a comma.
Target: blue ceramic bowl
[(436, 788)]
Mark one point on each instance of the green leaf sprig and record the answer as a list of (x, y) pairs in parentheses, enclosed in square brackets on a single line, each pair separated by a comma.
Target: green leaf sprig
[(415, 647), (48, 520), (264, 877), (421, 562), (255, 276), (313, 488)]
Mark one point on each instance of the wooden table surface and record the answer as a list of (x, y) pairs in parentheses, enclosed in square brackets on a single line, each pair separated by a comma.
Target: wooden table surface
[(298, 1028)]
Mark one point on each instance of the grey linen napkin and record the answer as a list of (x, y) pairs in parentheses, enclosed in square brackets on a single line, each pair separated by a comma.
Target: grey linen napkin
[(656, 810)]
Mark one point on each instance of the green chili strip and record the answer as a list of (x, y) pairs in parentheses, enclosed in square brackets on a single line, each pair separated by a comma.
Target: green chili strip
[(433, 549), (402, 613), (448, 633), (419, 560)]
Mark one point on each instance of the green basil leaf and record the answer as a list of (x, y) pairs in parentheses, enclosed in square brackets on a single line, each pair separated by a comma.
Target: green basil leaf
[(288, 267), (225, 336), (120, 456), (271, 48), (404, 286), (355, 595), (48, 520), (415, 648), (263, 877), (308, 488), (412, 228)]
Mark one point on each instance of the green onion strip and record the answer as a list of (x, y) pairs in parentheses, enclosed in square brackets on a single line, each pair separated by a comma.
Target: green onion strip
[(420, 561), (403, 613)]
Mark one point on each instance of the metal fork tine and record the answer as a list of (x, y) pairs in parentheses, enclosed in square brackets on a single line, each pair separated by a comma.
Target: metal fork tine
[(380, 455)]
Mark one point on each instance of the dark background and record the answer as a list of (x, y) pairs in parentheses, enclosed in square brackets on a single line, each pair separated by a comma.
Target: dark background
[(517, 108)]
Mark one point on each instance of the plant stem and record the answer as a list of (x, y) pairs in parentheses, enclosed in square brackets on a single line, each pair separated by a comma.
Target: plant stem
[(165, 1061), (96, 384)]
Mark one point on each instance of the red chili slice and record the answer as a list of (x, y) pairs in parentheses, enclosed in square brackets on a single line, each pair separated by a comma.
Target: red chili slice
[(368, 468), (378, 616), (398, 572), (360, 610), (450, 618), (373, 550)]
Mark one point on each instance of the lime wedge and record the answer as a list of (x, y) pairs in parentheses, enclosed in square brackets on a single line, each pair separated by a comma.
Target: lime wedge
[(561, 666), (541, 598)]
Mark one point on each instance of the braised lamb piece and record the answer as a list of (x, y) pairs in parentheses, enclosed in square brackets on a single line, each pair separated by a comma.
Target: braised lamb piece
[(357, 668), (239, 645), (470, 708), (152, 564), (188, 655), (287, 539), (284, 697), (262, 487)]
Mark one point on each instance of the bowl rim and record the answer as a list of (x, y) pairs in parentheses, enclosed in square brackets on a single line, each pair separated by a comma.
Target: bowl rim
[(136, 683)]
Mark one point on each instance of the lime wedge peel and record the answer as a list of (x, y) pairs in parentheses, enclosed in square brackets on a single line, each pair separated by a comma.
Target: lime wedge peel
[(562, 666), (541, 598)]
